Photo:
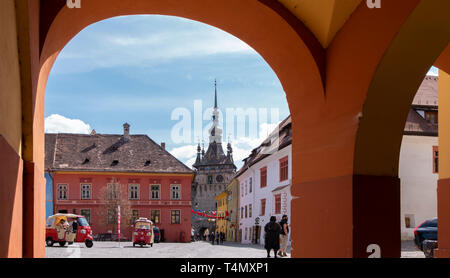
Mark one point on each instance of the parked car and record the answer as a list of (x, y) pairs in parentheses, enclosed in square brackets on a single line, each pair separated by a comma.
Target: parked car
[(425, 231), (157, 234)]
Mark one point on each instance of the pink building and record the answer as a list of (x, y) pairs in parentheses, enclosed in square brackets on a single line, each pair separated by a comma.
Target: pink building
[(93, 174)]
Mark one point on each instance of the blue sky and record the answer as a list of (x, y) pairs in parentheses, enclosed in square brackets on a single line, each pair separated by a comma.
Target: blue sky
[(138, 69)]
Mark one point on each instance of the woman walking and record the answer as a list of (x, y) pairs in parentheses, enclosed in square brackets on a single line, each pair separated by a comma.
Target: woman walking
[(284, 236), (272, 236)]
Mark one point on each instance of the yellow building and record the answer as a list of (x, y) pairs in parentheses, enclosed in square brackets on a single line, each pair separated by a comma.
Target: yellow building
[(221, 224), (233, 210)]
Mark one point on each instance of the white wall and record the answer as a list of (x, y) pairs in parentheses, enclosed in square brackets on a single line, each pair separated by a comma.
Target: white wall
[(418, 182), (246, 198)]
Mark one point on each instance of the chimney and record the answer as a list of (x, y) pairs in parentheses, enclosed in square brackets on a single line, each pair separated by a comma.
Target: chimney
[(126, 131), (163, 145)]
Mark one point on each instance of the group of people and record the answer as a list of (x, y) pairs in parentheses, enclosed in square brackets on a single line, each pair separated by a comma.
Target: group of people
[(276, 236), (219, 237), (64, 227)]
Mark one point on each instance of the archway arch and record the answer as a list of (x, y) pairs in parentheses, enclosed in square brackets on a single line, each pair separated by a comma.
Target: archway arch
[(292, 52), (325, 124), (419, 43)]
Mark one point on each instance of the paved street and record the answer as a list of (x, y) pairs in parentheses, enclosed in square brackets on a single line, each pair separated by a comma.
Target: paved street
[(199, 249), (409, 250)]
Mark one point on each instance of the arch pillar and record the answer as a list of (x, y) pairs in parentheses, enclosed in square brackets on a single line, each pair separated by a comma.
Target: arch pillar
[(443, 188)]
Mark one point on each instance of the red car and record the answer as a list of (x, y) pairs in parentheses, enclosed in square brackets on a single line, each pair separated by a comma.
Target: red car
[(68, 228), (143, 232)]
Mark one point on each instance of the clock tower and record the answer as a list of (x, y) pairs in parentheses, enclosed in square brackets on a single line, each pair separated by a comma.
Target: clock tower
[(214, 170)]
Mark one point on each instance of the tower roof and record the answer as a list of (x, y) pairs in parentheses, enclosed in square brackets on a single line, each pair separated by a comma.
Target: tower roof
[(215, 94)]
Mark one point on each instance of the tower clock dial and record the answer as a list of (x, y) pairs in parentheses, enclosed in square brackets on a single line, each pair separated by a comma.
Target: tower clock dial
[(219, 178)]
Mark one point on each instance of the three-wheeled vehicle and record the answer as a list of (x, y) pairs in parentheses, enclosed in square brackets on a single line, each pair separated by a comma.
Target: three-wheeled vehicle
[(70, 228), (143, 232)]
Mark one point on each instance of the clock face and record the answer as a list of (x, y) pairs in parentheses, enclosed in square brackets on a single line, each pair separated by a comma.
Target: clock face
[(219, 178)]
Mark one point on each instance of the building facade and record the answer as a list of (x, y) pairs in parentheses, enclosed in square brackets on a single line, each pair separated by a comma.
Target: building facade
[(419, 154), (265, 183), (233, 210), (222, 212), (213, 172), (48, 195), (94, 174)]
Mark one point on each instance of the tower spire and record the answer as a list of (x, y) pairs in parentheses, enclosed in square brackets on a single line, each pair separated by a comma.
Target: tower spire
[(215, 93)]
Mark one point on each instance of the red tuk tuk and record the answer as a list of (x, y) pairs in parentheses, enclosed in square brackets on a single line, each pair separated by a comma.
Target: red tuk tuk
[(68, 228), (143, 232)]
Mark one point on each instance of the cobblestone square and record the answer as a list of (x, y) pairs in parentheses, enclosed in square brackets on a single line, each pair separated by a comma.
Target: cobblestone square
[(199, 249)]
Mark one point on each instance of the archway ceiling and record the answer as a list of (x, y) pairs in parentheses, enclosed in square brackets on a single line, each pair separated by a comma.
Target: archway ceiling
[(323, 17)]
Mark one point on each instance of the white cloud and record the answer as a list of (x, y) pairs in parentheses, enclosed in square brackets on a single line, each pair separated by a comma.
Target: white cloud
[(184, 152), (242, 147), (95, 47), (56, 123)]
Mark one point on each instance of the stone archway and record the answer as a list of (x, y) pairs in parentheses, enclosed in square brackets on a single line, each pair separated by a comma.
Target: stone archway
[(419, 43), (331, 90), (288, 47)]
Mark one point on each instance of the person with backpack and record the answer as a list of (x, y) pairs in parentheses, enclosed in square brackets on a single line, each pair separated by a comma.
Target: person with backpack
[(284, 235)]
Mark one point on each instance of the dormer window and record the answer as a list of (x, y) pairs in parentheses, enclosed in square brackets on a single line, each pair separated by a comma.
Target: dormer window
[(147, 162), (115, 162), (86, 160), (431, 117)]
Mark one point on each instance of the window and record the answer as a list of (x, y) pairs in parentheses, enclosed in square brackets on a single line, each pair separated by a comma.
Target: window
[(113, 191), (175, 192), (263, 176), (246, 188), (133, 191), (85, 191), (210, 179), (174, 217), (431, 117), (284, 169), (250, 210), (435, 159), (155, 216), (245, 211), (246, 231), (134, 216), (242, 212), (263, 207), (155, 191), (242, 190), (62, 191), (250, 185), (112, 216), (278, 204), (87, 214), (409, 221)]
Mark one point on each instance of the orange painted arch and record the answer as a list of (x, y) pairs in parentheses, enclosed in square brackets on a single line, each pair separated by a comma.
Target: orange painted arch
[(325, 97)]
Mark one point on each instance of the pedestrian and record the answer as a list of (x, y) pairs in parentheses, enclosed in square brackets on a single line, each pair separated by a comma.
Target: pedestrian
[(211, 237), (272, 236), (218, 237), (206, 234), (284, 235), (222, 238)]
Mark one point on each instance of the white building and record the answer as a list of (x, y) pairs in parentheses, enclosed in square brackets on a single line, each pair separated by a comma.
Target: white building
[(418, 169), (265, 184)]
